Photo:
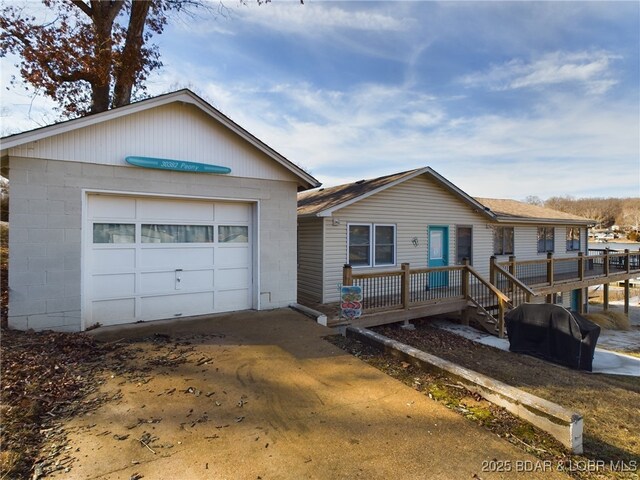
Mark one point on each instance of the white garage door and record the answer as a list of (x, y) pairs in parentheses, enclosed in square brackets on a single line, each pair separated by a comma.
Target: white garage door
[(150, 258)]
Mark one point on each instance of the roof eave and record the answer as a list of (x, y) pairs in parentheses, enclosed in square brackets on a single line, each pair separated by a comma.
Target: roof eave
[(543, 221), (184, 96)]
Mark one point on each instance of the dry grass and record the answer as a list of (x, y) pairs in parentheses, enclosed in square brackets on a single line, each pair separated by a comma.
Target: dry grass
[(610, 320)]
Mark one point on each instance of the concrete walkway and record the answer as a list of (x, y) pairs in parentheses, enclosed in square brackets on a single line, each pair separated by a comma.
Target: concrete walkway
[(280, 403), (604, 361)]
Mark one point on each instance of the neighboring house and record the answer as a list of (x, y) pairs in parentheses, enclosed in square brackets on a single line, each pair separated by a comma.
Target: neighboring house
[(419, 217), (94, 239)]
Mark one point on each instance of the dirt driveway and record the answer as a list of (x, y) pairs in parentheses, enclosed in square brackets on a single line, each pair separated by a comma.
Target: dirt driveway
[(262, 396)]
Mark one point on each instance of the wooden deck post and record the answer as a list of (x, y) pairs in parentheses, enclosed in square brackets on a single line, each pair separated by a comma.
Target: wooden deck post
[(347, 273), (466, 313), (581, 301), (512, 265), (627, 263), (605, 286), (501, 310), (406, 285), (581, 266), (492, 269), (550, 275), (465, 278), (627, 268), (626, 296)]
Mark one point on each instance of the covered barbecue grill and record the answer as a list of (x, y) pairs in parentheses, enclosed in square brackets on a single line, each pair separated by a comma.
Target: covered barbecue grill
[(553, 333)]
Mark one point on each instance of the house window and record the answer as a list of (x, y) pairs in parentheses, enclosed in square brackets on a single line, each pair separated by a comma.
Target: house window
[(573, 239), (385, 245), (503, 240), (372, 245), (545, 239), (463, 244)]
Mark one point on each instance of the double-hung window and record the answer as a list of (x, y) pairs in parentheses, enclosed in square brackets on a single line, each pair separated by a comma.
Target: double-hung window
[(503, 240), (371, 245), (545, 239), (573, 239)]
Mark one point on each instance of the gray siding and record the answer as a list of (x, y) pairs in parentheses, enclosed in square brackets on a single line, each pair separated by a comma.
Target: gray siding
[(310, 260), (526, 243), (412, 206), (45, 248)]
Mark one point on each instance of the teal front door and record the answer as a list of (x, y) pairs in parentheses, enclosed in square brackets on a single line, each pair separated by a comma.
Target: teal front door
[(438, 255)]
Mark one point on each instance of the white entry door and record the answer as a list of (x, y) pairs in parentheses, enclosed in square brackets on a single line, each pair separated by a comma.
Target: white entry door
[(153, 258)]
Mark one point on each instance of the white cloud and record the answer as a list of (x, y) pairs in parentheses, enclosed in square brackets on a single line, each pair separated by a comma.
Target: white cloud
[(314, 17), (592, 70)]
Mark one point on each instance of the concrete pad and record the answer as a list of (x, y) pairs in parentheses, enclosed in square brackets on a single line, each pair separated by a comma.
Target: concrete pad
[(604, 361), (289, 405)]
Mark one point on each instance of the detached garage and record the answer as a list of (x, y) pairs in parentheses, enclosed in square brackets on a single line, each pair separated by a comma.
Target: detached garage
[(164, 208)]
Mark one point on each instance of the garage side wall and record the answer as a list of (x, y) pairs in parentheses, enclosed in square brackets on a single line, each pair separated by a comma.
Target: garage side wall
[(46, 224), (310, 260)]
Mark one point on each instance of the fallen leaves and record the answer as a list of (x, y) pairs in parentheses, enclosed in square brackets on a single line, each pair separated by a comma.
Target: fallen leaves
[(46, 377)]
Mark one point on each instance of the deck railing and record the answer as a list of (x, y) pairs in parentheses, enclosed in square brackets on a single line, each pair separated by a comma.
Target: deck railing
[(506, 281), (407, 288), (551, 271)]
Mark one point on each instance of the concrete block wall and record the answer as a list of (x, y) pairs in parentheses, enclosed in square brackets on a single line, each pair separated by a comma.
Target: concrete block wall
[(46, 230)]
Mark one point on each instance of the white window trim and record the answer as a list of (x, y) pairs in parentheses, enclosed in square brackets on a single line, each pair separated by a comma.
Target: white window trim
[(372, 246)]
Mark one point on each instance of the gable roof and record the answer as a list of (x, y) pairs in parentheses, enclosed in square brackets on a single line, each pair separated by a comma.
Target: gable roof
[(512, 211), (305, 180), (325, 201)]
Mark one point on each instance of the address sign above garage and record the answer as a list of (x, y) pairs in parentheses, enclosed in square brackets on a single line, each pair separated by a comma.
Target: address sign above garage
[(177, 165)]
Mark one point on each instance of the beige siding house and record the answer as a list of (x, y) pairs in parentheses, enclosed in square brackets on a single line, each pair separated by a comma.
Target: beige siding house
[(95, 239), (418, 217)]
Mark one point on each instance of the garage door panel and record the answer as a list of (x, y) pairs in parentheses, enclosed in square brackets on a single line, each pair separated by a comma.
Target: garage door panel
[(156, 282), (232, 278), (176, 257), (233, 212), (176, 211), (197, 280), (229, 300), (112, 312), (113, 285), (111, 207), (234, 257), (166, 306), (113, 260)]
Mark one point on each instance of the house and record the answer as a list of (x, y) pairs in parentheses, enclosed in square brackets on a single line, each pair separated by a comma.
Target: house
[(419, 217), (95, 239)]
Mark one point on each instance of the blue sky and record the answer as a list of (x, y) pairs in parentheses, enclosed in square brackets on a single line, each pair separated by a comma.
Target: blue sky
[(505, 99)]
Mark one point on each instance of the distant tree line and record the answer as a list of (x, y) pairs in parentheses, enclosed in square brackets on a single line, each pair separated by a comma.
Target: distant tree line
[(606, 212)]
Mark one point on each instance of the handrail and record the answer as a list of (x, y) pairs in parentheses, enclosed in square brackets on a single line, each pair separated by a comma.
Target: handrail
[(489, 285), (515, 280), (527, 262), (451, 268), (396, 273)]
